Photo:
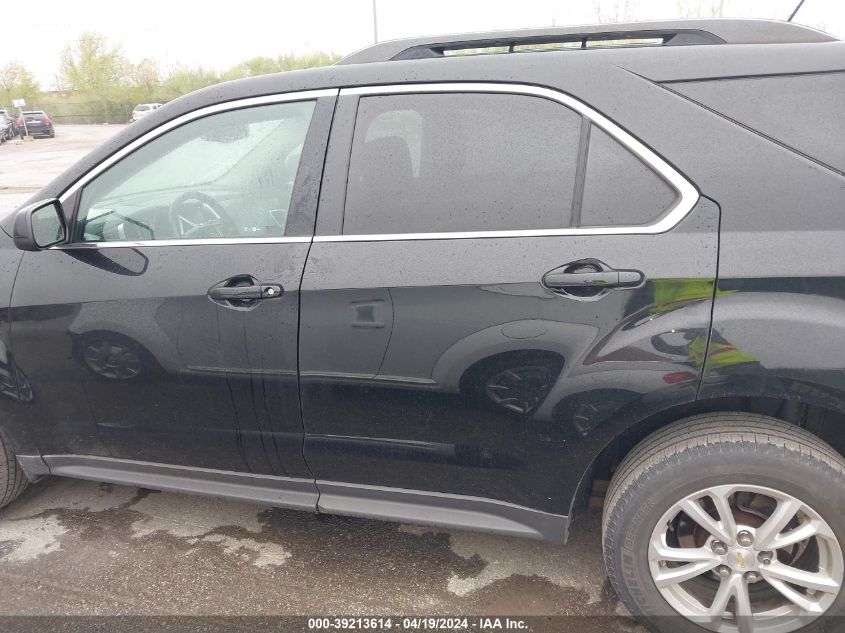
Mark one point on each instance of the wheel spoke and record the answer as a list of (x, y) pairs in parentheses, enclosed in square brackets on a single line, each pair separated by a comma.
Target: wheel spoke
[(682, 554), (694, 511), (801, 533), (723, 507), (816, 581), (720, 602), (674, 575), (774, 525), (743, 614), (795, 597)]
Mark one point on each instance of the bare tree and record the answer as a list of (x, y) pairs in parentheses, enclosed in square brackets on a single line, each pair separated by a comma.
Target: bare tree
[(145, 78), (701, 8), (609, 11)]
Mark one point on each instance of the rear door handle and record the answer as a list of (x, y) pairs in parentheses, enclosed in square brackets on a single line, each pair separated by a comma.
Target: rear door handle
[(593, 279)]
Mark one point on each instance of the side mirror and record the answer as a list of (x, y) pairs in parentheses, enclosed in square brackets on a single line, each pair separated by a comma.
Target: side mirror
[(40, 225)]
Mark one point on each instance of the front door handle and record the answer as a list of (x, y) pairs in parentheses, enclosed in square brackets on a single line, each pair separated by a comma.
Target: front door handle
[(242, 292), (593, 279), (245, 293)]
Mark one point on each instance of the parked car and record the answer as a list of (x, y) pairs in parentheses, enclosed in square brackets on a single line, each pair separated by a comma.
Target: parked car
[(470, 290), (8, 125), (36, 123), (143, 109)]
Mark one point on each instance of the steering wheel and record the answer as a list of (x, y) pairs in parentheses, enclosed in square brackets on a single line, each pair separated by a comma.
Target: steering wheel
[(197, 215)]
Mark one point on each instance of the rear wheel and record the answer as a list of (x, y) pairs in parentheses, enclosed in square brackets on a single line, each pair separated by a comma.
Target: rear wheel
[(13, 481), (728, 522)]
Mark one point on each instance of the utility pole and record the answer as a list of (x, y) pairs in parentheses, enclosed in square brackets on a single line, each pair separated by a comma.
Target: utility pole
[(375, 22), (797, 9)]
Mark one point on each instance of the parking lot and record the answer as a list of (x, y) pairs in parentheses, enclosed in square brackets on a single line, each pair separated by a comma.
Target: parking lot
[(25, 167), (76, 547)]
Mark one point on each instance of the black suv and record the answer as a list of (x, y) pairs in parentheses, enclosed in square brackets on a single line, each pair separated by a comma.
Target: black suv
[(462, 289), (36, 123)]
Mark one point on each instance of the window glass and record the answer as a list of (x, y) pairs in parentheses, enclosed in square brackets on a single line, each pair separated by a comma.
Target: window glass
[(619, 189), (461, 162), (227, 175)]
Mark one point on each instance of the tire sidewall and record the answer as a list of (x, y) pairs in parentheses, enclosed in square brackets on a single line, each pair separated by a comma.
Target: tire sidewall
[(657, 489)]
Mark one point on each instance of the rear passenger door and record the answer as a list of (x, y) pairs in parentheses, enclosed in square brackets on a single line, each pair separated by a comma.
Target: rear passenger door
[(499, 274)]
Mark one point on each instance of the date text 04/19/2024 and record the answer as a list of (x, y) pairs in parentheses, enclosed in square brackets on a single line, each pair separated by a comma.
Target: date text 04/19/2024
[(417, 623)]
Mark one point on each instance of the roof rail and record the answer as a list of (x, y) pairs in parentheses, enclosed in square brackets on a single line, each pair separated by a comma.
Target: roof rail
[(664, 33)]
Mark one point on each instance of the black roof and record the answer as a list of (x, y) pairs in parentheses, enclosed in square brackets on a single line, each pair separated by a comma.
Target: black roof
[(594, 76), (670, 32)]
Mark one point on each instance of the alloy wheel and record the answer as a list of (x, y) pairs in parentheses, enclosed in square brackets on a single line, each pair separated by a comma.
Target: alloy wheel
[(746, 558)]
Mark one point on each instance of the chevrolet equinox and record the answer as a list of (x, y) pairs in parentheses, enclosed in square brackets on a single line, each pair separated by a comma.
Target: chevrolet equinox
[(472, 281)]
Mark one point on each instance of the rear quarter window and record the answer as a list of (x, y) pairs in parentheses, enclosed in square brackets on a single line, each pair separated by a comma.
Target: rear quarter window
[(620, 189)]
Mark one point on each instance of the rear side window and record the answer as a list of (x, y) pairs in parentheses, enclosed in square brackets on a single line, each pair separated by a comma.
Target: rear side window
[(461, 162), (802, 112), (620, 189)]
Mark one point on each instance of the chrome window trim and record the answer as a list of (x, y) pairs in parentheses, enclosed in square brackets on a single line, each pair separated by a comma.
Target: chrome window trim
[(304, 95), (214, 241), (687, 193)]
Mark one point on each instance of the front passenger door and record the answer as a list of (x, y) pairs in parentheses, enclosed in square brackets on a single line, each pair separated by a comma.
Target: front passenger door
[(166, 331)]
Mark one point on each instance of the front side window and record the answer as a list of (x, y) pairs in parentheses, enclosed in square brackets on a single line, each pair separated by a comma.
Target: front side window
[(461, 162), (227, 175)]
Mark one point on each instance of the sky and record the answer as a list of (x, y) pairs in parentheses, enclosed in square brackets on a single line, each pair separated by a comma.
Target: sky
[(219, 35)]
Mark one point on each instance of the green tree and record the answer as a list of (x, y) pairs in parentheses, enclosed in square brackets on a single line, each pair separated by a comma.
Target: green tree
[(183, 80), (267, 65), (311, 60), (252, 67), (16, 82), (97, 71)]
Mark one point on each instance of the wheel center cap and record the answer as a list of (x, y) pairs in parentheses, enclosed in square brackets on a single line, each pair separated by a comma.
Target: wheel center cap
[(742, 560)]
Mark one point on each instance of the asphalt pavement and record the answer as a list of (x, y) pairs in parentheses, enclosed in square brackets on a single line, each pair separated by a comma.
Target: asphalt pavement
[(26, 166)]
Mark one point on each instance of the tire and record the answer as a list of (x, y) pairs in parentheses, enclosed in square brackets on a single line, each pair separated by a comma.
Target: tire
[(13, 481), (754, 464)]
